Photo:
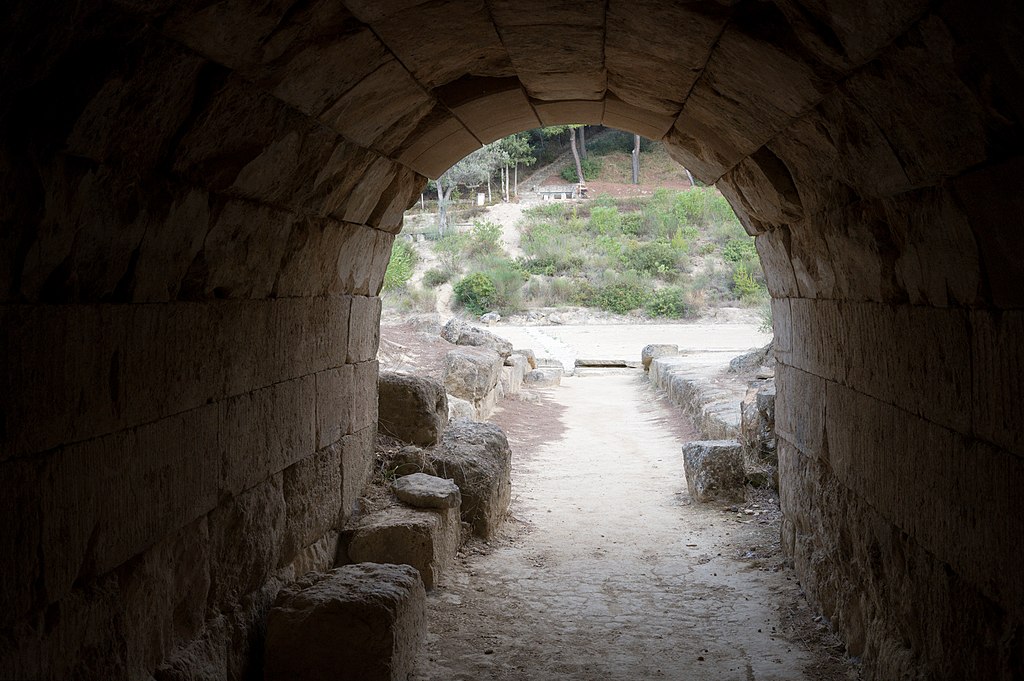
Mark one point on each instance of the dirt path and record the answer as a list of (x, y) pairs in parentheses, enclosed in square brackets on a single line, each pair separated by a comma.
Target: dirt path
[(607, 571)]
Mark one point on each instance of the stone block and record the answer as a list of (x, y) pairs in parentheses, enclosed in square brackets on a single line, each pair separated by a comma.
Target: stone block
[(531, 357), (427, 491), (512, 375), (363, 622), (714, 469), (544, 377), (356, 466), (264, 432), (800, 409), (478, 458), (364, 396), (20, 561), (334, 404), (312, 490), (411, 408), (652, 352), (426, 539), (246, 532), (459, 408), (472, 373), (460, 333), (364, 329), (997, 343), (355, 265), (108, 499)]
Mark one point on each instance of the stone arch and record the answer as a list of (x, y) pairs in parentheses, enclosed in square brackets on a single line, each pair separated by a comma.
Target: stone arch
[(201, 197)]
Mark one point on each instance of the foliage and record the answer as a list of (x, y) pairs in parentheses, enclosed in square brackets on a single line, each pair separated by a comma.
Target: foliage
[(400, 266), (434, 277), (591, 169), (703, 207), (476, 293), (622, 295), (604, 220), (449, 251), (667, 302), (738, 250), (484, 239), (632, 223), (744, 285), (653, 258), (617, 141), (507, 278)]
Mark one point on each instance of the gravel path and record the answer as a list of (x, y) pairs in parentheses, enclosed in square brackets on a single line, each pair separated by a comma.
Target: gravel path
[(607, 571)]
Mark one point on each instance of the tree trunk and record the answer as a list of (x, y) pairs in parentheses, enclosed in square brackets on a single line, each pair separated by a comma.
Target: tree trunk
[(517, 179), (576, 157), (689, 177), (636, 159), (488, 189), (583, 142)]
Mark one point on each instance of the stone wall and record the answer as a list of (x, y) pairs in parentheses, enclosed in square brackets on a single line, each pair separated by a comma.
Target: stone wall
[(190, 321), (199, 202)]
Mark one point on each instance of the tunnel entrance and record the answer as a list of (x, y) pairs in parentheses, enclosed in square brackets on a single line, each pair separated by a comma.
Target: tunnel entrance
[(201, 199)]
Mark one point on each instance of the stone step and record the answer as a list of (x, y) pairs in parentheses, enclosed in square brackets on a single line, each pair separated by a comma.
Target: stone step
[(426, 539), (363, 622)]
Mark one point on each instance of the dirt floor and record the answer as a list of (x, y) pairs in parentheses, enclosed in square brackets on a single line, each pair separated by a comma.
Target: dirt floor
[(606, 569)]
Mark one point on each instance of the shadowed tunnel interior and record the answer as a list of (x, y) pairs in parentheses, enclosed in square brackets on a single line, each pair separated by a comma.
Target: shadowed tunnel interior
[(199, 200)]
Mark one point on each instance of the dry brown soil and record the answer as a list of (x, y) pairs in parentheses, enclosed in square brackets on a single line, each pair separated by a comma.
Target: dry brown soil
[(607, 570)]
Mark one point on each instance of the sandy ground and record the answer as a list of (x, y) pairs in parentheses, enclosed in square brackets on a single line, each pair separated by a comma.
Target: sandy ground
[(608, 571)]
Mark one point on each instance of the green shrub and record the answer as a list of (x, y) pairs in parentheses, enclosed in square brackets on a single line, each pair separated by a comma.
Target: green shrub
[(667, 302), (434, 277), (744, 285), (679, 241), (622, 295), (632, 223), (652, 258), (507, 278), (702, 207), (738, 250), (476, 293), (765, 315), (605, 220), (706, 248), (582, 292), (449, 251), (400, 266), (591, 169), (484, 239)]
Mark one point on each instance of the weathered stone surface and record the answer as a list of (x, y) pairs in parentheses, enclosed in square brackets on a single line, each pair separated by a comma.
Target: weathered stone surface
[(753, 360), (472, 374), (427, 491), (411, 408), (652, 352), (460, 333), (356, 465), (544, 377), (478, 458), (424, 538), (714, 469), (513, 374), (312, 491), (459, 408), (192, 166), (531, 358), (361, 622)]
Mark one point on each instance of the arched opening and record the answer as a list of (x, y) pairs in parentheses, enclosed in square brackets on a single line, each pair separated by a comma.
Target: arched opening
[(200, 203)]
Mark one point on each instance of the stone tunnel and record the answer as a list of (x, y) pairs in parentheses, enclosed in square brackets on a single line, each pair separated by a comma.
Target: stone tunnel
[(199, 200)]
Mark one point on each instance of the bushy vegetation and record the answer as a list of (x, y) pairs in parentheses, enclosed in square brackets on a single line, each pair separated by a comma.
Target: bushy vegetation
[(664, 255), (400, 266), (591, 169), (476, 293)]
